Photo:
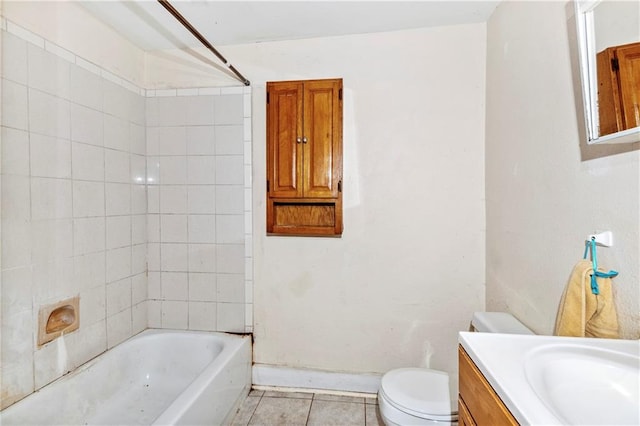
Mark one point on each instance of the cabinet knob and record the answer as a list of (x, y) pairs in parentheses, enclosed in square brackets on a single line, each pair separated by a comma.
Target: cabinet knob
[(298, 139), (304, 139)]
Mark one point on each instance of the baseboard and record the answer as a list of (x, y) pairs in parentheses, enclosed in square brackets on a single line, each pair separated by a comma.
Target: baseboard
[(286, 377)]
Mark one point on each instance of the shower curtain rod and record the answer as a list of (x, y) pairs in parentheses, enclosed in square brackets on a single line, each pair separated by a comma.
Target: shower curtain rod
[(187, 25)]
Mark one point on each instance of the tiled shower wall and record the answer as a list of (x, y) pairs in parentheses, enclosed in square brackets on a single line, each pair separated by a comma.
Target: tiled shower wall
[(74, 213), (196, 204)]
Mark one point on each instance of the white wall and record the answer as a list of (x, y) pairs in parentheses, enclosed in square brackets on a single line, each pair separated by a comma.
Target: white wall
[(545, 190), (408, 271)]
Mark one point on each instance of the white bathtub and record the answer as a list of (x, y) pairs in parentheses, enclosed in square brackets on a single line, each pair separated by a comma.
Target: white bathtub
[(159, 377)]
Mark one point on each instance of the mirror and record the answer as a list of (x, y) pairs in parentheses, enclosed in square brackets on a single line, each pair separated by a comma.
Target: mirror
[(611, 89)]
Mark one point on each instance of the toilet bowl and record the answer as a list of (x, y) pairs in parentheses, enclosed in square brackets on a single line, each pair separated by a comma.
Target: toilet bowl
[(420, 396)]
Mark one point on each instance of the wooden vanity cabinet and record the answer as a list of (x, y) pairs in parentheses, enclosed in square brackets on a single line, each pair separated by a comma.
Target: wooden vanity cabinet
[(478, 403), (618, 70), (304, 157)]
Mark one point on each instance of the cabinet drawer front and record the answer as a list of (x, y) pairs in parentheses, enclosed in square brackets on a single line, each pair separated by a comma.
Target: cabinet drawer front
[(482, 402)]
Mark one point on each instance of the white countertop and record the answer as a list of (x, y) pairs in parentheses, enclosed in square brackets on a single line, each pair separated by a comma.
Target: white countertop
[(500, 357)]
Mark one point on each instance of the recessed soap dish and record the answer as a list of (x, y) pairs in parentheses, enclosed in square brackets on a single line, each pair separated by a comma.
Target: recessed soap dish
[(57, 319)]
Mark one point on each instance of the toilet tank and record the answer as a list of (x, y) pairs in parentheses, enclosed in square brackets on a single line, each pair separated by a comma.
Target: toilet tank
[(498, 322)]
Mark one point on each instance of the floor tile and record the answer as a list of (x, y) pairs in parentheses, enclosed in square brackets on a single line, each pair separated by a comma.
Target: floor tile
[(338, 398), (277, 394), (281, 411), (245, 411), (372, 415), (331, 413)]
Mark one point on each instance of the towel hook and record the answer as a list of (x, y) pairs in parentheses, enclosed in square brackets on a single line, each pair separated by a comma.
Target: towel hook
[(591, 245)]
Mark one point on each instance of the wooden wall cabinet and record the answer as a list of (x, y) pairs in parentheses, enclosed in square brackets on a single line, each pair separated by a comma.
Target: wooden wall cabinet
[(304, 158), (478, 403), (619, 88)]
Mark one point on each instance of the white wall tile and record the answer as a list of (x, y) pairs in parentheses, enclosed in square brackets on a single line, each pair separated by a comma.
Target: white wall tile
[(90, 270), (14, 67), (87, 161), (172, 111), (15, 152), (48, 72), (87, 343), (229, 140), (201, 170), (116, 133), (118, 198), (228, 109), (137, 139), (175, 315), (86, 125), (173, 170), (51, 239), (202, 258), (173, 199), (139, 317), (88, 199), (118, 296), (118, 328), (230, 258), (118, 264), (201, 199), (138, 199), (202, 229), (153, 228), (15, 111), (174, 257), (229, 170), (230, 288), (229, 199), (230, 229), (200, 110), (202, 287), (17, 291), (173, 228), (138, 169), (175, 285), (153, 199), (138, 229), (230, 317), (139, 288), (154, 312), (151, 111), (138, 258), (172, 140), (153, 257), (117, 166), (118, 231), (154, 285), (50, 198), (15, 193), (116, 100), (17, 379), (93, 306), (202, 316), (86, 88), (201, 140), (50, 157)]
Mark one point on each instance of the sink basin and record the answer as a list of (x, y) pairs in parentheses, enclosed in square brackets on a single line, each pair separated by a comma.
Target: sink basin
[(585, 384)]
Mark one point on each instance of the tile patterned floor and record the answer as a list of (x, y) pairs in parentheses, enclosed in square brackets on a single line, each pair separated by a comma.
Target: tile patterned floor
[(270, 408)]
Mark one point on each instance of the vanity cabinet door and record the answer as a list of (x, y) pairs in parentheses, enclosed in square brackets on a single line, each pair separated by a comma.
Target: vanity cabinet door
[(478, 402), (619, 88)]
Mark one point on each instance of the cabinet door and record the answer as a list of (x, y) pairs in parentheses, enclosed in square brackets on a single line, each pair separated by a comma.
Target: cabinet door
[(284, 139), (629, 71), (322, 138)]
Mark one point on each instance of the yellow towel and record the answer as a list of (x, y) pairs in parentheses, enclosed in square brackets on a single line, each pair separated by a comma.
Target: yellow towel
[(582, 313)]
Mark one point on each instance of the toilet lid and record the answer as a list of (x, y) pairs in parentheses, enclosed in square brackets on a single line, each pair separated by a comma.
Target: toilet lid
[(420, 391)]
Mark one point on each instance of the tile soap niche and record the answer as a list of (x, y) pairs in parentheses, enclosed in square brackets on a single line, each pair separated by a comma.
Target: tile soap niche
[(57, 319)]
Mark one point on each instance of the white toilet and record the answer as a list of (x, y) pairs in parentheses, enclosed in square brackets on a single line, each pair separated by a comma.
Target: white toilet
[(420, 396)]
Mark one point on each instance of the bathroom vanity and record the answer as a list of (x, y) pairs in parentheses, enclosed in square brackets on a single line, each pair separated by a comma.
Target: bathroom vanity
[(508, 379), (478, 403)]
